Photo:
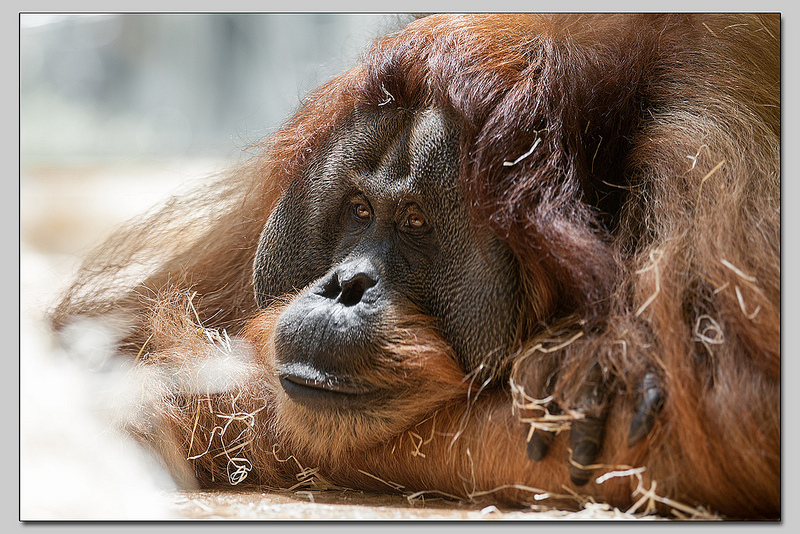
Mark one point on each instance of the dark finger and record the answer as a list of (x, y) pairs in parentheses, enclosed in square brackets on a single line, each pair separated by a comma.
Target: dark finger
[(540, 440), (586, 439), (586, 433), (539, 444), (651, 404)]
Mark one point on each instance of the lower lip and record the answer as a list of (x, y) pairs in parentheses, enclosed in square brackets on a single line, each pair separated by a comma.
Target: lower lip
[(320, 396)]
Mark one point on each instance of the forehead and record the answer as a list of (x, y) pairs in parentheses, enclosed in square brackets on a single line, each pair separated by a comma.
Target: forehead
[(392, 150)]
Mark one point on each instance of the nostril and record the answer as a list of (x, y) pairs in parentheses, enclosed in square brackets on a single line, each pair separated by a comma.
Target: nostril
[(331, 288), (353, 289)]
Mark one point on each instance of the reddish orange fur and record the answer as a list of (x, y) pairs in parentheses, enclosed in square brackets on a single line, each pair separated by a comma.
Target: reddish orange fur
[(687, 285)]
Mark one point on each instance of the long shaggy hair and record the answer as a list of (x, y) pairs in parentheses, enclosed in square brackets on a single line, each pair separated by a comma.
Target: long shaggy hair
[(632, 165)]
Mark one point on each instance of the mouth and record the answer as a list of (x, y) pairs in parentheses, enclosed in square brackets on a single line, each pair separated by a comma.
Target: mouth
[(307, 385)]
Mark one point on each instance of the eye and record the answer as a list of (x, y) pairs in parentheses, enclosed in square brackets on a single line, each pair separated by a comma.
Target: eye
[(415, 220), (362, 211)]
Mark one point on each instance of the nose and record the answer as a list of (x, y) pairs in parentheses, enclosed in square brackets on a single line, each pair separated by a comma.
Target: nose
[(348, 283)]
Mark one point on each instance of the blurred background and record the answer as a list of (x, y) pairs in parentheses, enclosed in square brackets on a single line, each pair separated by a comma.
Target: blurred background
[(102, 87)]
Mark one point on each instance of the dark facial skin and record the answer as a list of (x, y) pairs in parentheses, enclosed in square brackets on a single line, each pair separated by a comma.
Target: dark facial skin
[(379, 221)]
